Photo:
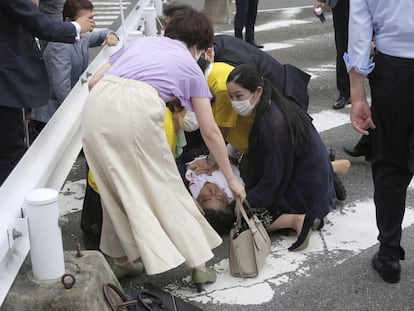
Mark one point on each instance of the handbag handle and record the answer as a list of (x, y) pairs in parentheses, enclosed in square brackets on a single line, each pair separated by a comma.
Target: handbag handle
[(240, 211), (144, 301), (106, 288)]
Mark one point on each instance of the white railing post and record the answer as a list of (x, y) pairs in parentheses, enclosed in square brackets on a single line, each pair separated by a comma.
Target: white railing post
[(45, 236), (150, 25)]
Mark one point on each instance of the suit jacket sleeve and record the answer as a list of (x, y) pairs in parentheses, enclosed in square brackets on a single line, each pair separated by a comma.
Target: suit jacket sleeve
[(58, 59), (24, 14), (97, 37)]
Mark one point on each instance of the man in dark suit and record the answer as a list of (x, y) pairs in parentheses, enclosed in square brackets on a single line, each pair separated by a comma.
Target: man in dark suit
[(246, 12), (23, 76), (340, 14), (287, 79)]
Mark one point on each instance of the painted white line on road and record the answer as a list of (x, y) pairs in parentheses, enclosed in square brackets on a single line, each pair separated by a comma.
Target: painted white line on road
[(71, 197), (349, 230), (275, 25), (326, 120), (275, 46), (316, 72), (284, 9)]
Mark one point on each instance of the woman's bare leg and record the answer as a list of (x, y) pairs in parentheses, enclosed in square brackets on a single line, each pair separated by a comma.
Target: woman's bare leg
[(341, 166), (287, 221)]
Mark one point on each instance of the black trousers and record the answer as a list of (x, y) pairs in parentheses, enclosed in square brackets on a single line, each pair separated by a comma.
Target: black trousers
[(340, 14), (12, 145), (246, 12), (392, 109)]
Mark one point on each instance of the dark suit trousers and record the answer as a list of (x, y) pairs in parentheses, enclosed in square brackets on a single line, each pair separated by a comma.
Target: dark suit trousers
[(246, 12), (12, 146), (340, 15), (392, 109)]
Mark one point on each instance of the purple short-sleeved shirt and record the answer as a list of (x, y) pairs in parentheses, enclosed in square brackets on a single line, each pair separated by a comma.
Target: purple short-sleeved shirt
[(163, 63)]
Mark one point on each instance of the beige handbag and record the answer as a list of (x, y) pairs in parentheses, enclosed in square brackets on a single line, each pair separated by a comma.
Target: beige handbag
[(249, 244)]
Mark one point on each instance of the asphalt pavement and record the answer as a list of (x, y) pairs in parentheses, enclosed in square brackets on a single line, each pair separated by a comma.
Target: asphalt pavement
[(334, 273)]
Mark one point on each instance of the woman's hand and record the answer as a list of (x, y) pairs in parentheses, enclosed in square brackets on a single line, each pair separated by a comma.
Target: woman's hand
[(238, 190), (201, 166)]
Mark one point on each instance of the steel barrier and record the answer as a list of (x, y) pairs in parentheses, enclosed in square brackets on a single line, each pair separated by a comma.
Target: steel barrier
[(49, 160)]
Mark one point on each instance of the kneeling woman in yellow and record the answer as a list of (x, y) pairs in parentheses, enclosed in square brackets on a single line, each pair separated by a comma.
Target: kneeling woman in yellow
[(286, 169)]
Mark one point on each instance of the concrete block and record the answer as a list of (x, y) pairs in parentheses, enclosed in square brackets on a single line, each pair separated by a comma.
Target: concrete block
[(91, 271)]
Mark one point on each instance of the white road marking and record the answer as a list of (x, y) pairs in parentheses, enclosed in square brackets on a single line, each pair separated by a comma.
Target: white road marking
[(276, 25), (71, 197), (349, 230), (275, 46), (328, 119)]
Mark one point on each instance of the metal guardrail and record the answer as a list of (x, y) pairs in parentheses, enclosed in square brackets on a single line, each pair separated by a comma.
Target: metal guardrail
[(49, 160)]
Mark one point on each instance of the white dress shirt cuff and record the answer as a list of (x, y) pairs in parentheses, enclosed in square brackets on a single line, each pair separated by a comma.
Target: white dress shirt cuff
[(362, 68), (78, 30)]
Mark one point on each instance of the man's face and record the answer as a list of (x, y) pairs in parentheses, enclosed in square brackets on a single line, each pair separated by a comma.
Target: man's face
[(82, 12), (212, 197)]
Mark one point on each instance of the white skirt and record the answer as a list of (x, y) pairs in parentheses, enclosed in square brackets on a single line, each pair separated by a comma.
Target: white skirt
[(147, 211)]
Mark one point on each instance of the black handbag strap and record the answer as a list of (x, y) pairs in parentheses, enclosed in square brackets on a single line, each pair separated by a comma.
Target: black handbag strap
[(148, 298), (144, 299), (241, 212)]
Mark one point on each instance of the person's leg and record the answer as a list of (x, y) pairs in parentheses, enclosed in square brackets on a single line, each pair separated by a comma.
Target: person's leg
[(240, 17), (251, 20), (12, 145), (392, 168), (340, 20), (341, 166), (287, 221), (362, 148), (301, 223)]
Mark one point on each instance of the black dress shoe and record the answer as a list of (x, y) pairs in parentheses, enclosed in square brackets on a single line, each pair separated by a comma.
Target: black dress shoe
[(390, 271), (331, 154), (341, 102), (259, 46), (353, 152)]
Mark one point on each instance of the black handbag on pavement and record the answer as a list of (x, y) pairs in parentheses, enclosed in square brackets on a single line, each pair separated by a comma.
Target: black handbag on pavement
[(148, 298)]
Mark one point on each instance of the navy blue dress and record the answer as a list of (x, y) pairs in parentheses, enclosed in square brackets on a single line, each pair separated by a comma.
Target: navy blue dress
[(286, 183)]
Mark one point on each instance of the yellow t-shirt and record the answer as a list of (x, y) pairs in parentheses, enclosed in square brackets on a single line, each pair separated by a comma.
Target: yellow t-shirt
[(169, 129), (238, 126)]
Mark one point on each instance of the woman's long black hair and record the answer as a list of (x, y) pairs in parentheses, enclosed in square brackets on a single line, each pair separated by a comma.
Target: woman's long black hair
[(298, 122)]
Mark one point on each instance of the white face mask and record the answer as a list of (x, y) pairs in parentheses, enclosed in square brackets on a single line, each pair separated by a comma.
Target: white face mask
[(189, 123), (243, 107)]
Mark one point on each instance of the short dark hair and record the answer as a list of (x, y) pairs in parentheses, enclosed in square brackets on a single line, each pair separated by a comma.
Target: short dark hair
[(221, 220), (71, 8), (191, 27)]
